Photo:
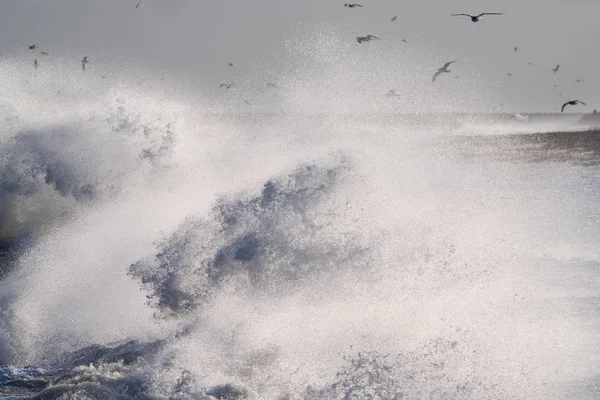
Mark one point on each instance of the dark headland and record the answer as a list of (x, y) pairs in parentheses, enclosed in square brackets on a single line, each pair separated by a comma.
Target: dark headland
[(578, 147)]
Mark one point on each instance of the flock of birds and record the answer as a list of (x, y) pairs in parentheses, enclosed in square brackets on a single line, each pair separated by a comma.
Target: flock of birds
[(444, 69), (361, 39), (36, 64)]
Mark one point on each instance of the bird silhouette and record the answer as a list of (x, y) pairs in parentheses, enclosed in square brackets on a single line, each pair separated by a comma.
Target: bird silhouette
[(476, 18), (84, 62), (137, 5), (225, 85), (571, 103), (35, 64), (394, 18), (367, 38), (352, 5), (555, 69), (442, 70), (32, 46)]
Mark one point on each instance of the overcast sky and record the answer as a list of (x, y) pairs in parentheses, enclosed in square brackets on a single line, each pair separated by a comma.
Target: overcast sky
[(196, 39)]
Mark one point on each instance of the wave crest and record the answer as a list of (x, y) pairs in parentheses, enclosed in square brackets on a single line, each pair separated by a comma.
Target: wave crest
[(271, 240)]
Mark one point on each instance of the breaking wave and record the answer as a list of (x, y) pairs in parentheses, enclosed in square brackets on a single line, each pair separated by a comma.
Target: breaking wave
[(157, 243)]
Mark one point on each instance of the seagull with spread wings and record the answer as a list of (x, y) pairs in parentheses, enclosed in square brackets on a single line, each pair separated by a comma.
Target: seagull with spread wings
[(367, 38), (442, 70), (476, 18), (571, 103)]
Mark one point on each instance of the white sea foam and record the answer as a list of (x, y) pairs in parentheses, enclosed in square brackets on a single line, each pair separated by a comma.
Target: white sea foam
[(320, 252)]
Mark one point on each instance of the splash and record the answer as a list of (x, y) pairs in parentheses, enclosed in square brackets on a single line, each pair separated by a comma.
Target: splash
[(270, 240), (174, 245)]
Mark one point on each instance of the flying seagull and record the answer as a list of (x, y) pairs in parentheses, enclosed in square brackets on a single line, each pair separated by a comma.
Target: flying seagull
[(394, 18), (444, 69), (509, 74), (404, 40), (43, 53), (530, 64), (352, 5), (32, 46), (35, 64), (225, 85), (367, 38), (571, 103), (83, 62), (230, 64), (392, 93), (555, 70), (271, 85), (137, 5), (476, 18), (579, 81), (515, 48)]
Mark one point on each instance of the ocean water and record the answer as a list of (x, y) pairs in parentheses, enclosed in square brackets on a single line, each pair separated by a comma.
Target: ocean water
[(157, 242)]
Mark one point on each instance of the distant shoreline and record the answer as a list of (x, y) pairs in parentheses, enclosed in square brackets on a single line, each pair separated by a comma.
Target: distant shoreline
[(585, 137), (578, 147)]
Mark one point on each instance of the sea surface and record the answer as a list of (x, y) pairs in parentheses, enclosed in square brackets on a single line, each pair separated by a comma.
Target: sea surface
[(155, 244)]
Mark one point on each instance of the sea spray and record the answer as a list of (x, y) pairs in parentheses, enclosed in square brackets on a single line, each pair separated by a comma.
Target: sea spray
[(175, 245)]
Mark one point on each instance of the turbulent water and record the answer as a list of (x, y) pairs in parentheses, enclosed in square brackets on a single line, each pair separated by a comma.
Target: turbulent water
[(158, 243)]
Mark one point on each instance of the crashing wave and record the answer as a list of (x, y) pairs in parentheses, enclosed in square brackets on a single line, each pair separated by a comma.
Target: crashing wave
[(53, 168), (272, 240)]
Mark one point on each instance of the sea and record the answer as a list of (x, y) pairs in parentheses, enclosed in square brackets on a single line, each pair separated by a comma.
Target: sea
[(159, 243)]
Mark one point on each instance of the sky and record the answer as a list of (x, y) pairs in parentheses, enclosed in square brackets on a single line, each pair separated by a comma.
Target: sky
[(195, 40)]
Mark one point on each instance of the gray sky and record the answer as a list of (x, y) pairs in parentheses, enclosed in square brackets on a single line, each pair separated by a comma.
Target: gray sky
[(195, 39)]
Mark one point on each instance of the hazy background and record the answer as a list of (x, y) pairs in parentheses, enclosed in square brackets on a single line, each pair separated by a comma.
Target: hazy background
[(196, 39)]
